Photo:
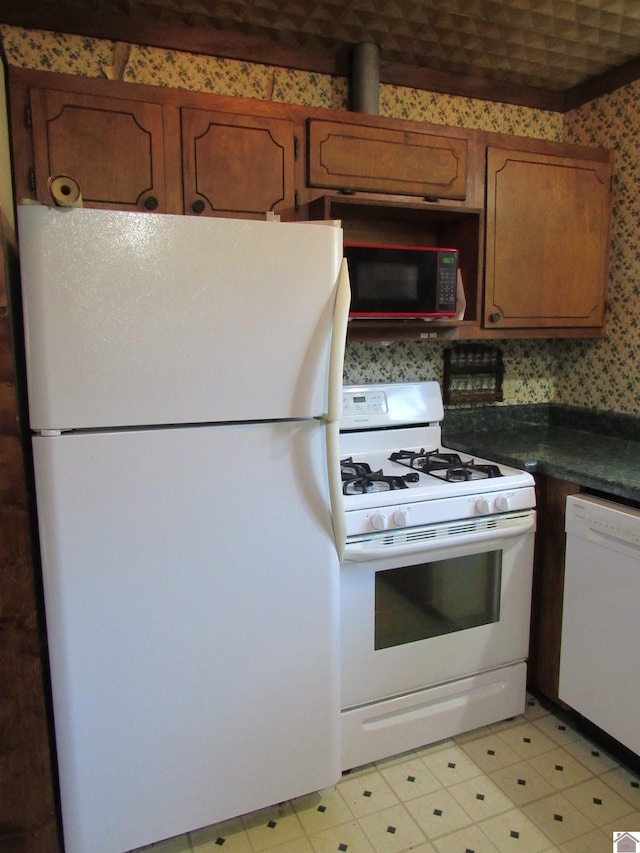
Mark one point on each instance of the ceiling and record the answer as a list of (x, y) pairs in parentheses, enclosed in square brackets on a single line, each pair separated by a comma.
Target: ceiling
[(549, 47)]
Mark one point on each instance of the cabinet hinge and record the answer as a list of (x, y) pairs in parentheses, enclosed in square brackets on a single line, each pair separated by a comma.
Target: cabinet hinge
[(27, 117), (31, 179), (296, 147)]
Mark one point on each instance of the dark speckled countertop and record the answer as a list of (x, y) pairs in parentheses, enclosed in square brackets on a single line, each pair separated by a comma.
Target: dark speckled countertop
[(597, 450)]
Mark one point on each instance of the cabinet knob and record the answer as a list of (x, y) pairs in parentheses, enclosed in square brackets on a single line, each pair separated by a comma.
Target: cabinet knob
[(495, 317), (197, 206), (150, 202)]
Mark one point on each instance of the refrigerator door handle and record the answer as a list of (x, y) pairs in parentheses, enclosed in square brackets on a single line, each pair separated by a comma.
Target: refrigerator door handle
[(335, 487), (334, 405), (338, 343)]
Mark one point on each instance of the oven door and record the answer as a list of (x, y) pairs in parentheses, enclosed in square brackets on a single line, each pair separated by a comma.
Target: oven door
[(429, 605)]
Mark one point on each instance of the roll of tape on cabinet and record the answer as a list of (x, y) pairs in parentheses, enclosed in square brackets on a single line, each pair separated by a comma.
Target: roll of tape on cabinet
[(65, 191)]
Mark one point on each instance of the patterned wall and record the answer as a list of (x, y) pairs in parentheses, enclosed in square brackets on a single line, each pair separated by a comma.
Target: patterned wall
[(601, 374)]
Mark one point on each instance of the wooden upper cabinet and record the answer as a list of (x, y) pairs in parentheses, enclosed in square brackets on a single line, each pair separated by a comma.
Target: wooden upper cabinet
[(361, 157), (237, 165), (547, 238), (112, 148)]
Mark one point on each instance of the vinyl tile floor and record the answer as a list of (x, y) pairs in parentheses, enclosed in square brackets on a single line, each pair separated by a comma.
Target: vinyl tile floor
[(527, 785)]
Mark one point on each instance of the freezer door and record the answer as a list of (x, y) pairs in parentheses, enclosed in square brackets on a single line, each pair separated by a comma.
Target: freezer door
[(137, 319), (193, 642)]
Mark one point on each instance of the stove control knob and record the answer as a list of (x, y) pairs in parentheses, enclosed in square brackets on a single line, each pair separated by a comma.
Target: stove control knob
[(482, 506), (378, 521), (502, 503), (400, 518)]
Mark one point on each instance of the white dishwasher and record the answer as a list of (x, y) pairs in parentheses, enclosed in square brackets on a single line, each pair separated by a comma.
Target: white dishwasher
[(599, 663)]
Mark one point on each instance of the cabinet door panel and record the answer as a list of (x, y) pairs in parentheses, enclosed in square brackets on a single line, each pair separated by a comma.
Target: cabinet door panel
[(237, 165), (547, 240), (356, 157), (112, 148)]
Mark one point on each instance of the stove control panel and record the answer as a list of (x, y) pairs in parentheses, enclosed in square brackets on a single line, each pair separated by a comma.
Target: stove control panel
[(390, 404), (398, 516), (364, 403)]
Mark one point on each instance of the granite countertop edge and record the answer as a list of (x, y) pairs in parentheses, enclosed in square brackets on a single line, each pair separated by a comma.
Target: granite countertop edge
[(599, 451)]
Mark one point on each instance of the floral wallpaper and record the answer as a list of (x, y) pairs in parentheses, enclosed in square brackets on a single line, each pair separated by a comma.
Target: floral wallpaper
[(605, 374), (597, 374)]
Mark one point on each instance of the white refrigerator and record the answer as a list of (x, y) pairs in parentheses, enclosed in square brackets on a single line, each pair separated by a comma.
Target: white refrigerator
[(184, 382)]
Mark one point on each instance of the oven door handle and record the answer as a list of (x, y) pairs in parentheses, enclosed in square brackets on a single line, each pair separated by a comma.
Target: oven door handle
[(424, 540)]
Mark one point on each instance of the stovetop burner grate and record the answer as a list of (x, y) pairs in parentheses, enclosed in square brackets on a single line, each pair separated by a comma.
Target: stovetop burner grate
[(445, 466), (358, 478)]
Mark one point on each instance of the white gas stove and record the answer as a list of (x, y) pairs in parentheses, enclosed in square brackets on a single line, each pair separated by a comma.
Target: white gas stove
[(396, 474), (435, 583)]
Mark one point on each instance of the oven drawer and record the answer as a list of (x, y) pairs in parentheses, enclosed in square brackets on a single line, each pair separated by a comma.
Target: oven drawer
[(381, 729)]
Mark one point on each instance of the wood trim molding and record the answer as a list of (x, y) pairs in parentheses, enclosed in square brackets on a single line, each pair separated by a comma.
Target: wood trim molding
[(211, 42)]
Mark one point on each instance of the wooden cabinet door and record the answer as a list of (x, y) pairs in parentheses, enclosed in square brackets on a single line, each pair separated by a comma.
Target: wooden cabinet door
[(112, 148), (378, 159), (547, 238), (237, 165)]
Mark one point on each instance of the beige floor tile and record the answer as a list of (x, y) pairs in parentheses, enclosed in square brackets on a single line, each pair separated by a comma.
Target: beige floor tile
[(596, 841), (383, 763), (534, 709), (317, 812), (514, 831), (598, 801), (367, 794), (481, 798), (471, 838), (490, 752), (346, 837), (560, 768), (594, 758), (297, 845), (624, 783), (451, 765), (521, 783), (231, 834), (527, 740), (392, 830), (627, 823), (509, 723), (410, 779), (438, 814), (557, 729), (272, 827), (434, 747), (558, 818)]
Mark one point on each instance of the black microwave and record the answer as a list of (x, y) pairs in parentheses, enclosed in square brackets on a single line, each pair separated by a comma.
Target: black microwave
[(401, 282)]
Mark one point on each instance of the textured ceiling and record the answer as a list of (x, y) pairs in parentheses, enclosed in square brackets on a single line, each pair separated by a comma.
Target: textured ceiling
[(551, 44)]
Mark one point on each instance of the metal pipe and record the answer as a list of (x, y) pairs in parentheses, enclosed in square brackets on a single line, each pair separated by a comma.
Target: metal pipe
[(365, 78)]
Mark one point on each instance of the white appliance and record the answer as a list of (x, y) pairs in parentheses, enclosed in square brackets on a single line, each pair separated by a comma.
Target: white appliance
[(179, 379), (600, 626), (435, 580)]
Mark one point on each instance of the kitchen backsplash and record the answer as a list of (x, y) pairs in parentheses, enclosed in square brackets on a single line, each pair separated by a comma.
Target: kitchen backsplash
[(594, 374)]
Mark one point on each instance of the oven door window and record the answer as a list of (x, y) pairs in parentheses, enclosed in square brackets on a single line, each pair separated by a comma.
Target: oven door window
[(435, 598)]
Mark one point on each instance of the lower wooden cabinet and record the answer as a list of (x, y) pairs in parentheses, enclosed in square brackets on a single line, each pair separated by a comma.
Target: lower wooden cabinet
[(548, 585)]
